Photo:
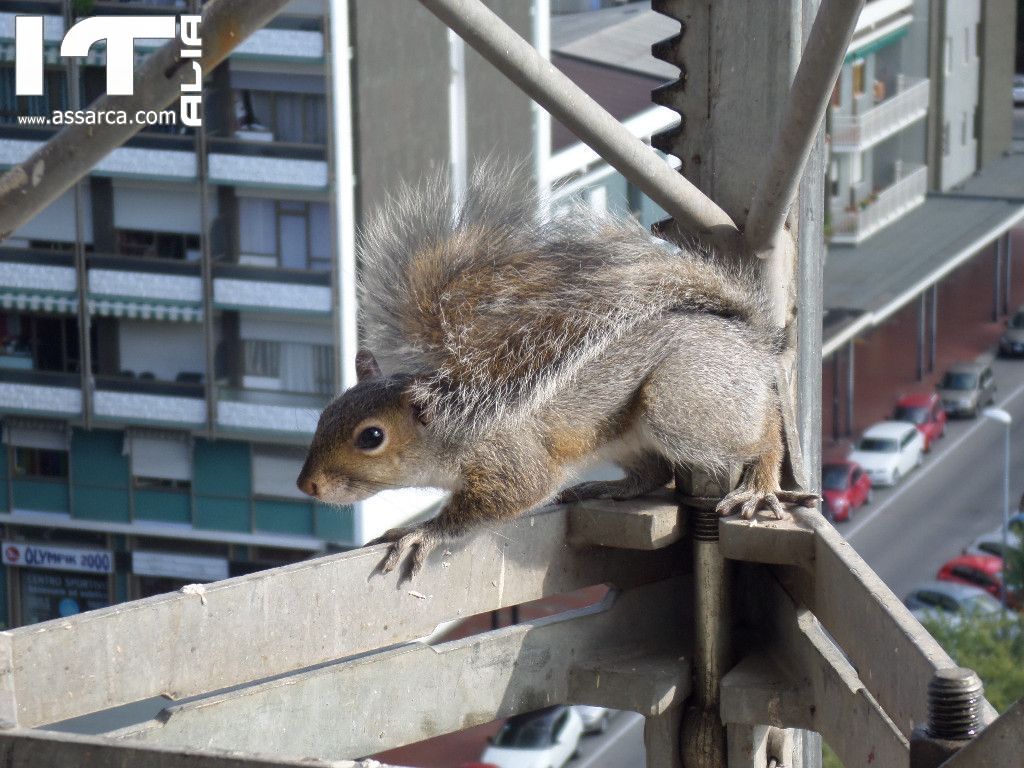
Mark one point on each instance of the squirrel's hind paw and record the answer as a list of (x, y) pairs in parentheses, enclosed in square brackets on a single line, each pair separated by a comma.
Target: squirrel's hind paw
[(748, 503), (415, 540)]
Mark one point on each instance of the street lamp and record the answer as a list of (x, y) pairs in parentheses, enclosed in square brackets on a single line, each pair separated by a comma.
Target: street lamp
[(1004, 418)]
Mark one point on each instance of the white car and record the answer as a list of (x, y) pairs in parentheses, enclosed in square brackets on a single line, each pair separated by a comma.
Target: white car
[(595, 719), (1018, 89), (888, 451), (548, 738)]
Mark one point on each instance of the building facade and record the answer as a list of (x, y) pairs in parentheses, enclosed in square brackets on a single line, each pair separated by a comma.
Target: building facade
[(171, 327)]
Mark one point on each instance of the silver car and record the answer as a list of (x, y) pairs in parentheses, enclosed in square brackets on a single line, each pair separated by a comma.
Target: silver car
[(1011, 343), (967, 388), (950, 601)]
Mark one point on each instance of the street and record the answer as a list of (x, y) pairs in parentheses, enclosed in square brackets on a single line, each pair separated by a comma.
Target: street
[(908, 532)]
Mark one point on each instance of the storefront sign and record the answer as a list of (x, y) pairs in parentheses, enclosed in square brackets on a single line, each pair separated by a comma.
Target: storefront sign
[(22, 555), (46, 596), (174, 566)]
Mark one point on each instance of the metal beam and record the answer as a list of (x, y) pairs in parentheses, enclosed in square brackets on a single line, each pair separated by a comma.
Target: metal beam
[(22, 748), (31, 185), (345, 709), (805, 109), (568, 103), (296, 616), (847, 596)]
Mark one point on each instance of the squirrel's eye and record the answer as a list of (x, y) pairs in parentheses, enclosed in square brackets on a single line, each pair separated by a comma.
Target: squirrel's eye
[(370, 438)]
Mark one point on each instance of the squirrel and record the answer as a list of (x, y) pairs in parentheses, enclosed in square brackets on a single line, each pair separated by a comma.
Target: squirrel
[(505, 347)]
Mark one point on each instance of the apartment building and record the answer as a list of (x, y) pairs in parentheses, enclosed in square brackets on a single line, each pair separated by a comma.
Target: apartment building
[(876, 122), (171, 327)]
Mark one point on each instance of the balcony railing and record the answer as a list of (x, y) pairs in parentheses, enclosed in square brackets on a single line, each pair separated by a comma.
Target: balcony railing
[(149, 401), (908, 191), (269, 411), (44, 393), (852, 133)]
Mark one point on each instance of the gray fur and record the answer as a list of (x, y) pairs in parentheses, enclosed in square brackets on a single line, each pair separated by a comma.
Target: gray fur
[(489, 355)]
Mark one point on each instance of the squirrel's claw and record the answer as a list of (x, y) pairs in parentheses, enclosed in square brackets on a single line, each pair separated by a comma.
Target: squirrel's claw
[(417, 541), (749, 502)]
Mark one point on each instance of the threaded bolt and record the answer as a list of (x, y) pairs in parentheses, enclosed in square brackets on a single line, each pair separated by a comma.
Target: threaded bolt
[(954, 704), (705, 525)]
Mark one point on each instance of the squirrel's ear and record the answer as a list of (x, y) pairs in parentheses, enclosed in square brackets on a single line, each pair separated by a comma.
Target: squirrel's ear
[(366, 365)]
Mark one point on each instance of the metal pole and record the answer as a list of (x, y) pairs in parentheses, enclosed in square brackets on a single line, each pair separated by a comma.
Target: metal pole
[(1006, 511), (805, 108), (997, 278), (1007, 280), (934, 334), (29, 186), (849, 386), (921, 310), (520, 62), (836, 425)]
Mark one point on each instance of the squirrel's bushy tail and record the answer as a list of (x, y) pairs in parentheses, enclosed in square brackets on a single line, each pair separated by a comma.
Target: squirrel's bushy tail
[(492, 303)]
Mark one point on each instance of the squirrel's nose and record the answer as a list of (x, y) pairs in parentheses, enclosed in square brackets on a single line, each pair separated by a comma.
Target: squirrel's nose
[(307, 486)]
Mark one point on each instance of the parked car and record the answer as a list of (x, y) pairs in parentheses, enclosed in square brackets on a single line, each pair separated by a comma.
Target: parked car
[(924, 410), (1011, 342), (888, 451), (844, 487), (983, 571), (1018, 89), (991, 543), (547, 738), (950, 601), (967, 388), (595, 719)]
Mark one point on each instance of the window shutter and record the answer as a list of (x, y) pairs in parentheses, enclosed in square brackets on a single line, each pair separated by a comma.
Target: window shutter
[(166, 455)]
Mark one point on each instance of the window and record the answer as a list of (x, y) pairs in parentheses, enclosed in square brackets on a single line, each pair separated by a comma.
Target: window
[(963, 129), (945, 138), (157, 245), (262, 358), (949, 55), (856, 168), (40, 463), (858, 78), (159, 460), (39, 342), (289, 366), (292, 234), (967, 45), (55, 96), (274, 471), (298, 118), (833, 180)]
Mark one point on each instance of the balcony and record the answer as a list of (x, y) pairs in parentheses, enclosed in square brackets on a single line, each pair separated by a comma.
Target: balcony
[(38, 281), (269, 411), (145, 288), (268, 164), (850, 226), (146, 401), (256, 289), (855, 133), (38, 393)]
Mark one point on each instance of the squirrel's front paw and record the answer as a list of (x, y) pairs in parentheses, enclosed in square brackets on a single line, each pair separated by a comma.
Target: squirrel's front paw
[(415, 540)]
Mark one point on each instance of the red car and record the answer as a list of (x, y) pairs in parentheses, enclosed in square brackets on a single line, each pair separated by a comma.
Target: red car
[(845, 486), (924, 410), (984, 571)]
